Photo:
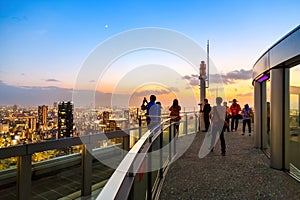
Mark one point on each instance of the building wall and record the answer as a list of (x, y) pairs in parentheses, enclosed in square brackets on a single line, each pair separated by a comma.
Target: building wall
[(280, 63)]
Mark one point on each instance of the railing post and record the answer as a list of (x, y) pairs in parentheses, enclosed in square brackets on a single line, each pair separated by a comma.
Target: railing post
[(199, 121), (196, 124), (170, 145), (24, 177), (126, 141), (185, 124), (140, 127), (86, 187), (149, 174), (174, 138), (161, 137)]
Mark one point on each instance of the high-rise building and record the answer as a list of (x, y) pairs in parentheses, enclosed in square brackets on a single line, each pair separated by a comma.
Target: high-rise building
[(15, 108), (65, 119), (32, 122), (42, 114)]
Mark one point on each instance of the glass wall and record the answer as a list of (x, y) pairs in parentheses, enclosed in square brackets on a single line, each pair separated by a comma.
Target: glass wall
[(293, 145)]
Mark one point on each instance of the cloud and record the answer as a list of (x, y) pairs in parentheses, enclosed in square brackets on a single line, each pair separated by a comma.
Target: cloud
[(174, 89), (52, 80), (193, 79), (249, 94), (27, 95), (149, 92), (217, 78), (186, 77), (92, 81), (239, 74), (228, 78), (36, 95)]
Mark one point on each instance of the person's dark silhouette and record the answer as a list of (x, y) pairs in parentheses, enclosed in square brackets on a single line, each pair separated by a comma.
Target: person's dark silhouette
[(247, 116), (149, 111), (235, 114), (218, 117), (228, 115), (206, 111), (175, 114)]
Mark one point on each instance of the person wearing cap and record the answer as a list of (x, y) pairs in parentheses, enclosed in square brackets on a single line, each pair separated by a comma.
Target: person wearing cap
[(247, 115), (235, 114)]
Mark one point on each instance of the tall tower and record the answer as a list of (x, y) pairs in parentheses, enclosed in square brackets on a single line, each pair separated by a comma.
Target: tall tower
[(42, 114), (65, 119)]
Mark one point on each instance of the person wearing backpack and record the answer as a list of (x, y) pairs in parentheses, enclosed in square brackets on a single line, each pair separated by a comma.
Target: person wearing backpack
[(247, 116)]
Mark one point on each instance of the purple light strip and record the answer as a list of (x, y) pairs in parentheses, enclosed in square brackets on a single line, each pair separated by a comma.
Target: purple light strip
[(263, 78)]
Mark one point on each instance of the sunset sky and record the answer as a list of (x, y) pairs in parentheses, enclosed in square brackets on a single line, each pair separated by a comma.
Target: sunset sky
[(45, 44)]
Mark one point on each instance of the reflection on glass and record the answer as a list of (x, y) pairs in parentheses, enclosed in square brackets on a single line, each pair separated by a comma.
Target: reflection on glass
[(268, 123), (267, 130), (293, 146)]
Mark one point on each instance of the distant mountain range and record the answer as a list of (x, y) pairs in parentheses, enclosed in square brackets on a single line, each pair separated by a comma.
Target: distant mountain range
[(31, 96)]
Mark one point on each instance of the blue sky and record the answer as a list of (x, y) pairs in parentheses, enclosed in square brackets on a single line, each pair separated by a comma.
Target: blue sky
[(44, 43)]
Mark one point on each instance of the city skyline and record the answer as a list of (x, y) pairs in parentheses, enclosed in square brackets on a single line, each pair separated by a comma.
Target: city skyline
[(44, 44)]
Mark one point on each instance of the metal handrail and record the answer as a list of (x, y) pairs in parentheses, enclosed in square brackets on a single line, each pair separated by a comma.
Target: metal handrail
[(113, 186), (29, 149)]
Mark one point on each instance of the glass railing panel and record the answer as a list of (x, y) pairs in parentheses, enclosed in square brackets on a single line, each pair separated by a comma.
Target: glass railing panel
[(8, 178), (107, 155), (8, 163), (140, 182), (56, 173), (191, 123)]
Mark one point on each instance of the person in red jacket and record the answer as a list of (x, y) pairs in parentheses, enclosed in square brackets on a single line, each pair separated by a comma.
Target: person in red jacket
[(175, 114), (235, 114)]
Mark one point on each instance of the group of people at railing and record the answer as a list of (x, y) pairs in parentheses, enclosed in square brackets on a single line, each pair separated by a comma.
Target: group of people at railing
[(153, 112), (217, 119)]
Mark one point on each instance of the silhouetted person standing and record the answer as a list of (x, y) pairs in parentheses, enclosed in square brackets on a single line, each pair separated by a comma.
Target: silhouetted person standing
[(235, 110), (228, 111), (247, 115), (151, 111), (206, 110), (175, 114), (218, 116)]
